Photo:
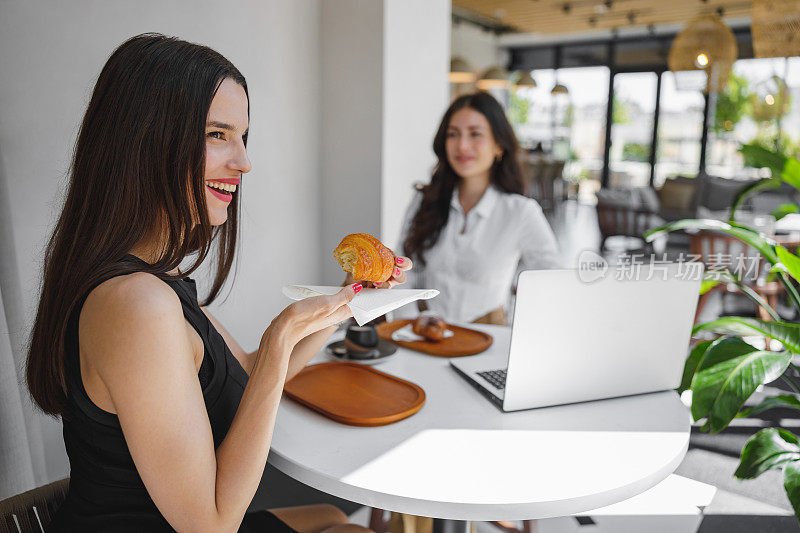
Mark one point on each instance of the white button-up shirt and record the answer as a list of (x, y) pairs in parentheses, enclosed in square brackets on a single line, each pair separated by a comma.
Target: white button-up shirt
[(475, 269)]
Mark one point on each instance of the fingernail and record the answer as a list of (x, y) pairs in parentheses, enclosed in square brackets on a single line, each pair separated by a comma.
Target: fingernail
[(399, 260), (357, 287), (396, 271)]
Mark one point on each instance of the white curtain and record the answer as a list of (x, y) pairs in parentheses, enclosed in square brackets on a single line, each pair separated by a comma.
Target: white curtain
[(22, 462), (16, 466)]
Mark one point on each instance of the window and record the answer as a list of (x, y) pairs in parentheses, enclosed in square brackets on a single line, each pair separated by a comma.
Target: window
[(680, 130), (571, 126), (632, 131)]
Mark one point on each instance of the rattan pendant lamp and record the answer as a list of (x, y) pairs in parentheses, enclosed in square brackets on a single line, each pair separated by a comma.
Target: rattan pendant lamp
[(493, 78), (460, 71), (708, 44), (776, 28)]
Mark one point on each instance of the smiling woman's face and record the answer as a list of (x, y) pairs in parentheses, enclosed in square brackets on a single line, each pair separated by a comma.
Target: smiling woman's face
[(470, 145), (226, 155)]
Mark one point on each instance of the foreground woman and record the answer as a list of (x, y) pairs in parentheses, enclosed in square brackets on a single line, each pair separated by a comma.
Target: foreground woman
[(167, 420)]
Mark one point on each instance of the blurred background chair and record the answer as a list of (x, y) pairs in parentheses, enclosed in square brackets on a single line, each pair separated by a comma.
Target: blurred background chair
[(546, 184), (627, 213)]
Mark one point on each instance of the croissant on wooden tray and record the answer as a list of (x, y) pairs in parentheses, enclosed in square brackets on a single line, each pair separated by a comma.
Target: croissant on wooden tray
[(365, 257), (431, 327)]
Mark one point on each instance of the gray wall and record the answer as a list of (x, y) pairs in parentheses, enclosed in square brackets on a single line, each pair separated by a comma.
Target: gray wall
[(352, 66)]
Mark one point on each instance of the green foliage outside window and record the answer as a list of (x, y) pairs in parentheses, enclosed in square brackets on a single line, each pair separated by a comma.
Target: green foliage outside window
[(619, 111), (732, 104), (518, 109), (636, 152)]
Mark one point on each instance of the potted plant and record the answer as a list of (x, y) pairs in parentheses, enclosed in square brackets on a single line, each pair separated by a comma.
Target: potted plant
[(725, 372)]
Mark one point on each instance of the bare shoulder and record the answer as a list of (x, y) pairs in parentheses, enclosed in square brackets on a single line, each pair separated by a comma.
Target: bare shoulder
[(131, 294), (120, 311)]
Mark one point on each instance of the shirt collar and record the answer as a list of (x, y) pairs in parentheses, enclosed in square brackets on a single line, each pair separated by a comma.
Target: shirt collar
[(485, 204)]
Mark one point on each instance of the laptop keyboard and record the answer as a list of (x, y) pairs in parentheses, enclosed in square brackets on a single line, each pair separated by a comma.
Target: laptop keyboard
[(495, 377)]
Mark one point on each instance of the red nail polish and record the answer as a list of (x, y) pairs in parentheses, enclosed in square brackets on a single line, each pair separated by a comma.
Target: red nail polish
[(396, 272), (399, 260), (357, 287)]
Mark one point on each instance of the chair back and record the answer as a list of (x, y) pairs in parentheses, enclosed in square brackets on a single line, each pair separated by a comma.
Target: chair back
[(32, 511), (615, 220), (720, 251)]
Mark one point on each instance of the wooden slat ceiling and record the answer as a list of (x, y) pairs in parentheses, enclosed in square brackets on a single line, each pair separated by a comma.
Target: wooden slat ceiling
[(567, 16)]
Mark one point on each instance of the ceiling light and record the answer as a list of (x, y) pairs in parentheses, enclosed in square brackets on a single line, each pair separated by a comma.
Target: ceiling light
[(493, 78), (706, 43), (526, 80), (460, 71), (559, 89)]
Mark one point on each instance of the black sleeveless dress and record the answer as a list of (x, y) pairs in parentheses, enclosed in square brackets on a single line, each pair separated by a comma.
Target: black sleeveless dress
[(106, 492)]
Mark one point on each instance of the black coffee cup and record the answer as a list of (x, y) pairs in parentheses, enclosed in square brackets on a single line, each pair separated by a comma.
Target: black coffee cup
[(361, 339)]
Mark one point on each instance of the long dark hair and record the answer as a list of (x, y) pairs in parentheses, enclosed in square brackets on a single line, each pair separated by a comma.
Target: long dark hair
[(431, 217), (137, 171)]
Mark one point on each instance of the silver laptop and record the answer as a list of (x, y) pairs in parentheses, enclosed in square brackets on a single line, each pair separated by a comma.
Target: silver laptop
[(575, 341)]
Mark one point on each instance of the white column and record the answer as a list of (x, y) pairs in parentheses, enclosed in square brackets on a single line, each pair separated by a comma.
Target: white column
[(384, 89)]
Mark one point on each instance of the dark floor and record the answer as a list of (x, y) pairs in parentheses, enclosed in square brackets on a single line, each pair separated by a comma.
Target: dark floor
[(758, 505)]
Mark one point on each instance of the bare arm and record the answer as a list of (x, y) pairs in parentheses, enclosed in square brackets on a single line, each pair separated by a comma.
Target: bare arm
[(128, 334), (308, 347), (302, 352)]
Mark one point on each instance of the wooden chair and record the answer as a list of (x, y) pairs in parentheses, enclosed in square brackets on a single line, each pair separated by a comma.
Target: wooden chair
[(719, 250), (32, 511), (546, 176)]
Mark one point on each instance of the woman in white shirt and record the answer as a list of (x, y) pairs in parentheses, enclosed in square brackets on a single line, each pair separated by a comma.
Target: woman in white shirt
[(470, 228)]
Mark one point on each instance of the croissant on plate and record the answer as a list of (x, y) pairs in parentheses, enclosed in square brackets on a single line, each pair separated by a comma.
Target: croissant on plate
[(431, 327), (365, 257)]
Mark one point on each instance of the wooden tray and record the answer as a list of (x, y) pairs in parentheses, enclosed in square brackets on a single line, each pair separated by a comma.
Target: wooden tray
[(355, 394), (463, 342)]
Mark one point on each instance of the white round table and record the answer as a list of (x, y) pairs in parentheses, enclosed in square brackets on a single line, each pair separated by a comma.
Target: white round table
[(461, 458)]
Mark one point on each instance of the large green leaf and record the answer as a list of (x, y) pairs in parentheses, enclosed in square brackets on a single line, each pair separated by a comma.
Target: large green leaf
[(757, 156), (690, 367), (787, 333), (708, 284), (758, 241), (769, 448), (791, 483), (789, 260), (719, 391), (785, 209), (709, 353), (791, 172), (785, 401), (787, 168), (724, 349)]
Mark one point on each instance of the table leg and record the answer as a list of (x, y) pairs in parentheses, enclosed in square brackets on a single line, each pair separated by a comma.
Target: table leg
[(441, 525)]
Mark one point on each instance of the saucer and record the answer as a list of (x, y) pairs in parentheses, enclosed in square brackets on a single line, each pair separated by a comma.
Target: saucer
[(338, 352)]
